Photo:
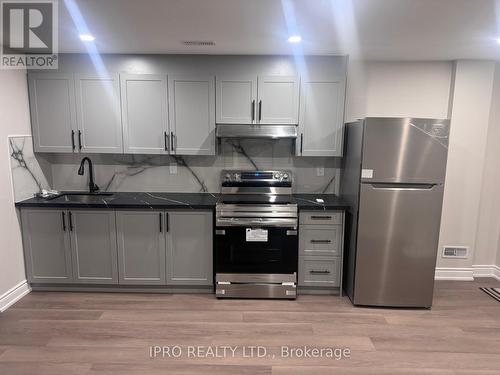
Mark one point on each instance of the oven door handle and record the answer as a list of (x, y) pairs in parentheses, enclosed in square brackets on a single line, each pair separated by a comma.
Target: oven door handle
[(261, 222)]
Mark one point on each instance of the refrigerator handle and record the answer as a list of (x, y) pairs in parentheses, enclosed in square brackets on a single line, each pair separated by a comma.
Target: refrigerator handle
[(402, 186)]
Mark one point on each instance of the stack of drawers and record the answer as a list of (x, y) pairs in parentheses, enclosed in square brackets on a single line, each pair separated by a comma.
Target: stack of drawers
[(320, 249)]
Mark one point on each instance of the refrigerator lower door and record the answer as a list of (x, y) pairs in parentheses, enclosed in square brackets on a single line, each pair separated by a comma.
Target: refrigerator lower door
[(398, 231)]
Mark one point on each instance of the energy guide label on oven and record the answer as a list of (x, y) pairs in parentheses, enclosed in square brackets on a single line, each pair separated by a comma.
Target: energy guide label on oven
[(256, 235)]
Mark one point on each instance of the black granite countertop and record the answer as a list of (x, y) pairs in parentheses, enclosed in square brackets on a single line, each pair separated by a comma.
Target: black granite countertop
[(131, 200), (331, 202)]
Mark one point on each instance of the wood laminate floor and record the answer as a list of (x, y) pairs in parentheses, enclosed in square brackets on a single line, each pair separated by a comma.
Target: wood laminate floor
[(105, 334)]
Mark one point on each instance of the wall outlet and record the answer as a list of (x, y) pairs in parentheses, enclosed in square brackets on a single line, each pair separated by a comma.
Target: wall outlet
[(320, 171), (173, 168)]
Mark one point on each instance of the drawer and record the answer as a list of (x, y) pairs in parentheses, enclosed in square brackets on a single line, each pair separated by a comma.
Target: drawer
[(320, 217), (320, 240), (319, 271)]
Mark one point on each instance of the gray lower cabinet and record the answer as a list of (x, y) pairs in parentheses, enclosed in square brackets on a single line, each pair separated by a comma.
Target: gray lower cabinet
[(93, 245), (319, 271), (47, 248), (189, 248), (141, 247), (127, 247), (321, 242)]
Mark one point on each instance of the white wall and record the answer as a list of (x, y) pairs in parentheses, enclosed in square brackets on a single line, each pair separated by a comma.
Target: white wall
[(470, 116), (488, 232), (398, 89), (14, 119)]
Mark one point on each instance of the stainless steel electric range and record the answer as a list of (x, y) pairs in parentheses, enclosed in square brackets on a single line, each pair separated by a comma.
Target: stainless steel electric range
[(256, 242)]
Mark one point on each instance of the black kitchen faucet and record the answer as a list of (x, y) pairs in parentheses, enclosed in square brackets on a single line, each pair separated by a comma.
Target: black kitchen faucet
[(93, 188)]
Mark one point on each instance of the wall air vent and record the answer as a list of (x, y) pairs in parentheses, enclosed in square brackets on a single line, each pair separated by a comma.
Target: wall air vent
[(203, 43), (461, 252)]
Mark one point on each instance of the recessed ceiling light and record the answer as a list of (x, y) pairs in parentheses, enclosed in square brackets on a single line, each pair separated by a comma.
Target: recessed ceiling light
[(498, 40), (295, 39), (87, 37)]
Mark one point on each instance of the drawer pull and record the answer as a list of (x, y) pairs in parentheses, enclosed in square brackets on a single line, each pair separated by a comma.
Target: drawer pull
[(324, 272), (321, 217), (321, 241)]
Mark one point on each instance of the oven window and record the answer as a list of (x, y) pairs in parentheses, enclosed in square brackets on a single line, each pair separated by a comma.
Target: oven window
[(234, 254)]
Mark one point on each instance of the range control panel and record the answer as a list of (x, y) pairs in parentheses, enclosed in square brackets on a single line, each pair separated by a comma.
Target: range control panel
[(256, 176)]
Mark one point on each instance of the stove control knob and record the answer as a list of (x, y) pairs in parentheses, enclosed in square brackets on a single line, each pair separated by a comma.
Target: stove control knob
[(227, 177), (277, 175), (285, 176), (237, 176)]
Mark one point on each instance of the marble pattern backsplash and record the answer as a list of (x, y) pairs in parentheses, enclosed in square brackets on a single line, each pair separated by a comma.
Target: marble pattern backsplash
[(163, 173), (30, 174)]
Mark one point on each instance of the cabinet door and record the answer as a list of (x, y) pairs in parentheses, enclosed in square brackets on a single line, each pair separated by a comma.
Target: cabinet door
[(141, 247), (53, 114), (236, 100), (189, 248), (144, 113), (93, 244), (321, 118), (46, 246), (98, 113), (278, 100), (192, 117)]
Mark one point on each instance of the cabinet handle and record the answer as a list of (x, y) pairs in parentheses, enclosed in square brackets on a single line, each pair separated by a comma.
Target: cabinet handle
[(168, 225), (64, 221), (301, 142), (321, 241), (80, 139), (260, 110), (253, 110), (165, 134), (161, 222), (70, 217), (320, 217), (73, 140), (172, 141), (324, 272)]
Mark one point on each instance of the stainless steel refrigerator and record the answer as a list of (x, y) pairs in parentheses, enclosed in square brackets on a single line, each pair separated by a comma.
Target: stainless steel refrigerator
[(393, 178)]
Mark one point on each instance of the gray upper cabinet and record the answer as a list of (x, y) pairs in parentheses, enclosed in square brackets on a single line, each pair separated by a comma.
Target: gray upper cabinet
[(93, 244), (189, 248), (321, 120), (98, 113), (46, 246), (141, 247), (278, 100), (144, 113), (236, 100), (53, 113), (192, 115)]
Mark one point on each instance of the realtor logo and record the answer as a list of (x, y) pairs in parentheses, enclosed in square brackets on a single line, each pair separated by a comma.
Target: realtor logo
[(29, 34)]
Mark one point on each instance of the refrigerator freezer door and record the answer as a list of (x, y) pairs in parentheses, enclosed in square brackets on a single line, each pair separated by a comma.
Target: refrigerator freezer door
[(405, 150), (398, 232)]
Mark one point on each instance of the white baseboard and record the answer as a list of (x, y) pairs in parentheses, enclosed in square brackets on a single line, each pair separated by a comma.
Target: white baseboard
[(462, 274), (467, 274), (13, 295), (486, 271)]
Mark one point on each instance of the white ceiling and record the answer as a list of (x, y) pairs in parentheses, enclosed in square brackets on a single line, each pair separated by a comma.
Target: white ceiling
[(374, 29)]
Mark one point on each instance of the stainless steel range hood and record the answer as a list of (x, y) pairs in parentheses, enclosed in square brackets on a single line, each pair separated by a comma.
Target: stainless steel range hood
[(256, 131)]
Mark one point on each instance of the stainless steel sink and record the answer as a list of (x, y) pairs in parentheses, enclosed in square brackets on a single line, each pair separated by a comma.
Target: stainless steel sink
[(82, 197)]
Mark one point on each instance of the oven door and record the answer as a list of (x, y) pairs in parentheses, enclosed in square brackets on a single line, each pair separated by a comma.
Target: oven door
[(263, 249)]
